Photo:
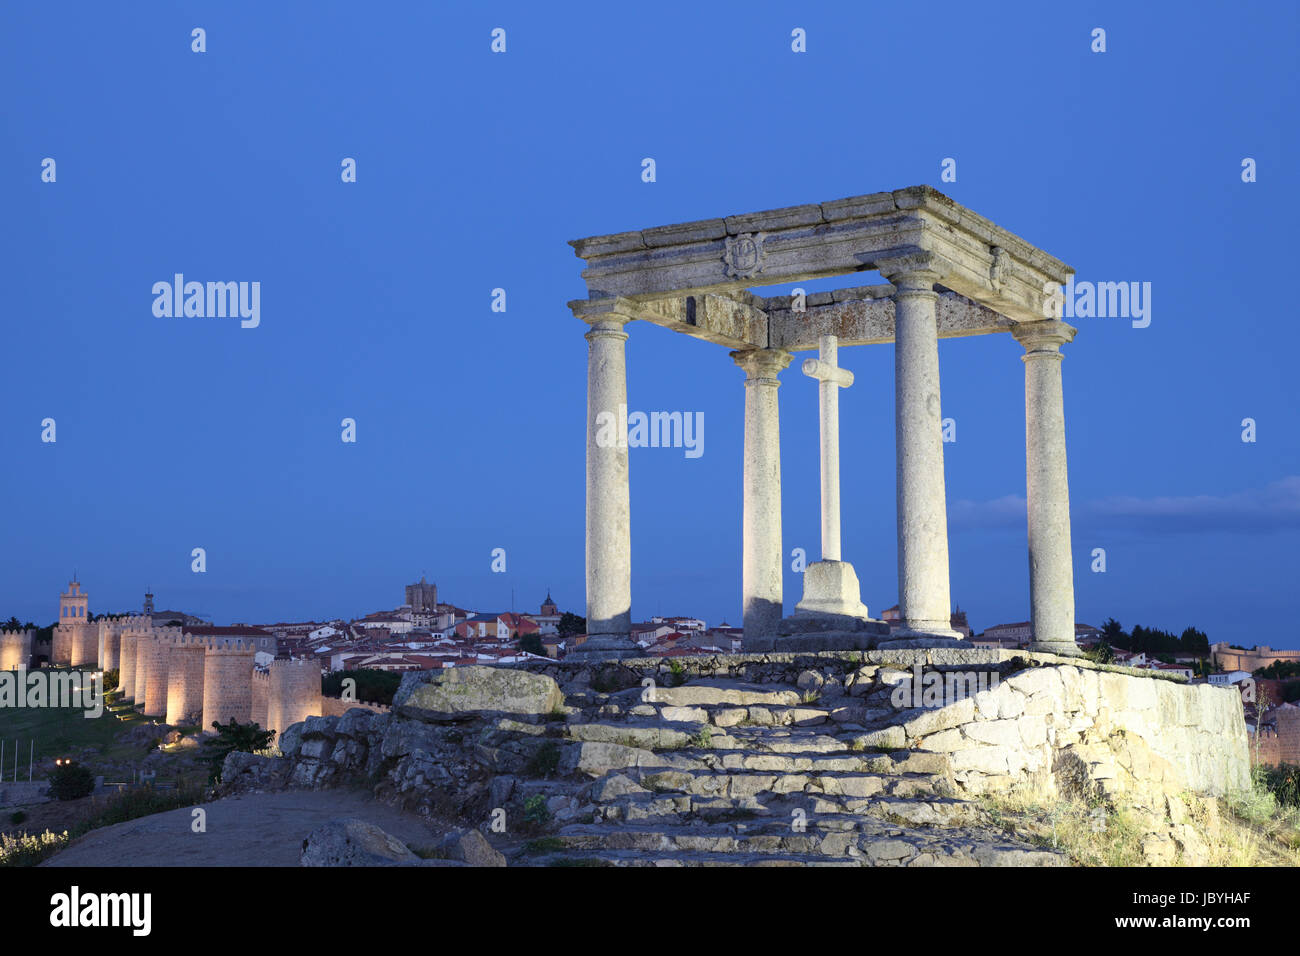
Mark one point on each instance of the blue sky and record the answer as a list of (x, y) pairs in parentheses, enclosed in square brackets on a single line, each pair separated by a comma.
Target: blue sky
[(475, 168)]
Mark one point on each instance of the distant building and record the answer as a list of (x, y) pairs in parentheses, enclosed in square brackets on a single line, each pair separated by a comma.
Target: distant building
[(422, 597), (262, 640), (1228, 677), (959, 623), (164, 618), (681, 623), (548, 618), (1009, 635)]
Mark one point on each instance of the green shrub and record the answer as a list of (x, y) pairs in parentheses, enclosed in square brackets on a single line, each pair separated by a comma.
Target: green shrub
[(71, 782), (536, 816), (17, 817)]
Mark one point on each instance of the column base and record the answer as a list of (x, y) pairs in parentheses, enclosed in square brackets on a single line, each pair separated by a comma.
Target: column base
[(1059, 648), (921, 634), (604, 647)]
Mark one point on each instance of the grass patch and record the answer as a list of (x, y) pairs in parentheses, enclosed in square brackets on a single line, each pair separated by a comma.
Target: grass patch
[(544, 845), (429, 852), (60, 731), (1250, 828), (545, 760)]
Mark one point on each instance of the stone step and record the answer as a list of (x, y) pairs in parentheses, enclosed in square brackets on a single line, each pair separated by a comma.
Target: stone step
[(899, 849), (641, 784), (764, 838), (644, 734), (730, 693), (676, 858), (780, 740)]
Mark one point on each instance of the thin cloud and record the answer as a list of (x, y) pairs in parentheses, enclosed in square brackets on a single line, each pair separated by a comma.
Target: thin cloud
[(1255, 510)]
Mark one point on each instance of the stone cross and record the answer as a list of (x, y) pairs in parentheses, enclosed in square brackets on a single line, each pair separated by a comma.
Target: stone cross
[(831, 378)]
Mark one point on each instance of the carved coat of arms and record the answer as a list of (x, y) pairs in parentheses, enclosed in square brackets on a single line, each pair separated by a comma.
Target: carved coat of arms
[(744, 256)]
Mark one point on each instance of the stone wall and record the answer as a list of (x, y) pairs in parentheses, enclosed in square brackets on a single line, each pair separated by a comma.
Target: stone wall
[(61, 645), (1048, 728), (336, 707), (15, 650), (261, 698), (85, 645)]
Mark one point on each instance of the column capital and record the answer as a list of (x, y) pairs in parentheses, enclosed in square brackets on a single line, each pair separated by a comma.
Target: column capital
[(1045, 337), (609, 314), (914, 273), (605, 327), (762, 365)]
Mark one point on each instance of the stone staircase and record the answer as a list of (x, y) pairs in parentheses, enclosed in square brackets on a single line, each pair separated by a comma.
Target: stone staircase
[(720, 772)]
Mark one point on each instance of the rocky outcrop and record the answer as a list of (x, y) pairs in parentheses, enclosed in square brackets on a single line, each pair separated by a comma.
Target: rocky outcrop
[(354, 843), (872, 758)]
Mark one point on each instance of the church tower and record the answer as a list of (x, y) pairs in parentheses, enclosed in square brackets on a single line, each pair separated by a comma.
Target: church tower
[(148, 604), (73, 603)]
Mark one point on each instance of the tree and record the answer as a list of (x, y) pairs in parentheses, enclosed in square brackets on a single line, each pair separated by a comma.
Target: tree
[(570, 624), (531, 644), (234, 736), (1103, 653), (1195, 642)]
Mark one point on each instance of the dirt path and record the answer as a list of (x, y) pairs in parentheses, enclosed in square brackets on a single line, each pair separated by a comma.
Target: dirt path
[(260, 829)]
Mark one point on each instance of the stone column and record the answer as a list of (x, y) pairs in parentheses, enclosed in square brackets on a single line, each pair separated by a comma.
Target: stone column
[(1051, 566), (761, 560), (923, 601), (609, 537)]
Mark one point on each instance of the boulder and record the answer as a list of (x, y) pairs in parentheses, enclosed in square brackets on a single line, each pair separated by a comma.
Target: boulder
[(472, 848), (353, 842), (457, 693)]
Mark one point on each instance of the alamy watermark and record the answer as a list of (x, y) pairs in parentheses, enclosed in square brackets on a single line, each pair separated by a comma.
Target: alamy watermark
[(653, 430), (940, 688), (79, 690), (212, 300), (1099, 300)]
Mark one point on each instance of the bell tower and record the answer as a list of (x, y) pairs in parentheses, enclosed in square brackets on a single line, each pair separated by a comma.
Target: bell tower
[(73, 603)]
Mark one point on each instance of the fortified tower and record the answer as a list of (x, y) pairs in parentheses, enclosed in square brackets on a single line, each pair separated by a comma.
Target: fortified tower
[(294, 693), (15, 650), (157, 658), (228, 683), (185, 668)]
